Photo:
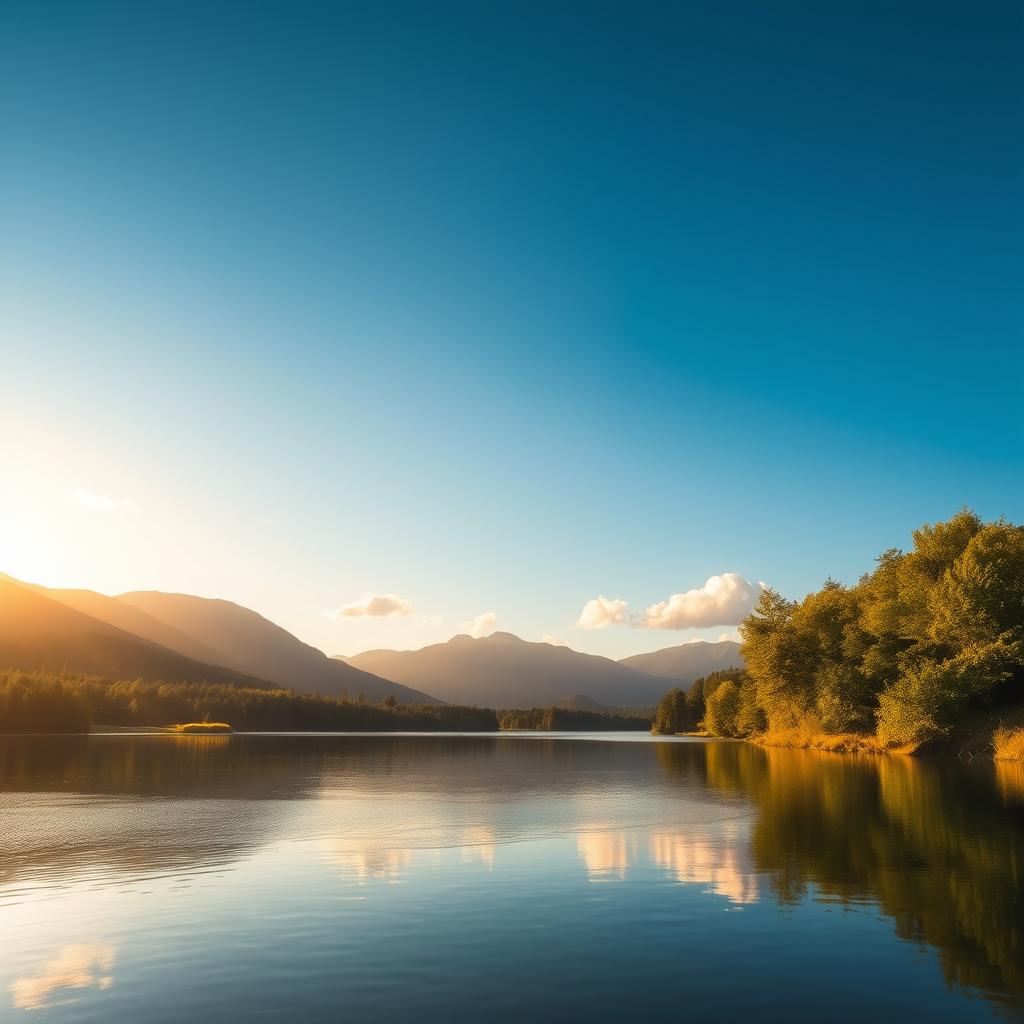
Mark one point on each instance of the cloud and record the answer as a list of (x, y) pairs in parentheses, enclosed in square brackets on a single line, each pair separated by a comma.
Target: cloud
[(481, 625), (374, 606), (547, 638), (429, 621), (601, 612), (79, 966), (101, 503), (724, 600)]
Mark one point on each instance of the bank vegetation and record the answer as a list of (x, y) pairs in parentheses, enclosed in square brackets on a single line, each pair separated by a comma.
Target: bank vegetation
[(926, 649)]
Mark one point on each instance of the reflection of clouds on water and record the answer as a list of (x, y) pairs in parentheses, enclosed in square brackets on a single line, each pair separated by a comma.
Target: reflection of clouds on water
[(361, 860), (84, 965), (606, 855), (367, 858), (716, 862), (478, 844)]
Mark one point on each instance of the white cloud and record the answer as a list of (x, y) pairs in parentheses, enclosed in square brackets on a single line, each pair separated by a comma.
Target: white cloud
[(733, 634), (601, 612), (374, 606), (101, 503), (724, 600), (481, 625), (547, 638)]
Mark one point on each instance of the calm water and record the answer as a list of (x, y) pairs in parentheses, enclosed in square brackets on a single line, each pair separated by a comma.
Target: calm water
[(499, 878)]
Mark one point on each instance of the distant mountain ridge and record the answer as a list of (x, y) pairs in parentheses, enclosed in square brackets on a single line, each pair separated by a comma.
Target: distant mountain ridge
[(179, 637), (172, 637), (687, 662), (37, 632), (504, 671)]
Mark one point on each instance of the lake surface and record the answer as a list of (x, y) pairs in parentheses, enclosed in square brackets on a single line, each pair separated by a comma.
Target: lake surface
[(536, 877)]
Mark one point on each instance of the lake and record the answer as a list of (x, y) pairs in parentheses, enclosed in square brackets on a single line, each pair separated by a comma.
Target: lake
[(502, 877)]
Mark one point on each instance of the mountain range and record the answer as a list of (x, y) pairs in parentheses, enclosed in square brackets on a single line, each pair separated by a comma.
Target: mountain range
[(687, 662), (504, 671), (173, 637), (179, 637)]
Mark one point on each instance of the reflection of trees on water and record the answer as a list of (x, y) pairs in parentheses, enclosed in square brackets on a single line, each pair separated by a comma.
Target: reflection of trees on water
[(938, 846), (219, 798), (210, 806)]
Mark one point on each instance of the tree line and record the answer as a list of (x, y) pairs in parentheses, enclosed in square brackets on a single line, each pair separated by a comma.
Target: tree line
[(44, 702), (569, 719), (928, 639)]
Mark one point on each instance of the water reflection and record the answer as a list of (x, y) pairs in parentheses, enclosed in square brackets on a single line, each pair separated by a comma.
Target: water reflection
[(721, 863), (363, 861), (478, 844), (1010, 777), (938, 848), (86, 965), (607, 855)]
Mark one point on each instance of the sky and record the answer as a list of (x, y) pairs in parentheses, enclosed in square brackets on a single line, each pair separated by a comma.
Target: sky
[(395, 320)]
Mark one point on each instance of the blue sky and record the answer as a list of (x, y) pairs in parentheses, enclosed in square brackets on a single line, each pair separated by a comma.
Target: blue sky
[(502, 307)]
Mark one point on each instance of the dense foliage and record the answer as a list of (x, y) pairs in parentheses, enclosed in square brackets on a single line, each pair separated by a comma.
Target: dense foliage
[(686, 711), (43, 702), (907, 653), (39, 702), (671, 714), (569, 719)]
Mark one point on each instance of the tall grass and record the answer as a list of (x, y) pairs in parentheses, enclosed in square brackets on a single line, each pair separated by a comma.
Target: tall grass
[(1008, 744)]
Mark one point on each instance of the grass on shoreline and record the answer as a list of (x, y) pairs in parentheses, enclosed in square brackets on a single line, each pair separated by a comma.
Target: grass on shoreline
[(983, 735), (1008, 744), (202, 728), (837, 743)]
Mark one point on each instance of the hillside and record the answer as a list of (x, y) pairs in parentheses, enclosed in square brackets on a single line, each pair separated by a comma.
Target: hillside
[(249, 643), (687, 662), (503, 671), (37, 632), (132, 620), (173, 637)]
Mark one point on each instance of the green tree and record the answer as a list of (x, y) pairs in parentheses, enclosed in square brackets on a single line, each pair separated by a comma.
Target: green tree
[(671, 715), (722, 710)]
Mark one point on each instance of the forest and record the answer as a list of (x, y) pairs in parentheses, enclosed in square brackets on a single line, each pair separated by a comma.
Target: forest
[(41, 702), (554, 719), (915, 651)]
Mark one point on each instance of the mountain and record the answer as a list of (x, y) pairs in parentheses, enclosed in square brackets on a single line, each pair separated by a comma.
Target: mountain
[(174, 637), (132, 620), (581, 702), (37, 632), (687, 662), (503, 671), (247, 642)]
